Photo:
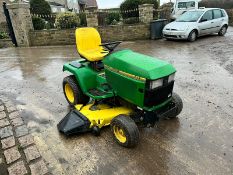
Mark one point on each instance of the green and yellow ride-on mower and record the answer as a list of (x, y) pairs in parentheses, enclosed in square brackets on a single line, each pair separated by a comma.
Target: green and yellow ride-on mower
[(121, 88)]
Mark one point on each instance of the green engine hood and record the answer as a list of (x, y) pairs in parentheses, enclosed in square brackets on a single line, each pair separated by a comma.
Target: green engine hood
[(138, 64)]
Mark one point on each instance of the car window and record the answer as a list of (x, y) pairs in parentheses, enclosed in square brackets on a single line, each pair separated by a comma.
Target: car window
[(223, 13), (217, 14), (208, 15), (190, 16), (186, 4)]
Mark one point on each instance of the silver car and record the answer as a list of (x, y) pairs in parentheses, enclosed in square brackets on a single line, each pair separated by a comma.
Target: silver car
[(195, 23)]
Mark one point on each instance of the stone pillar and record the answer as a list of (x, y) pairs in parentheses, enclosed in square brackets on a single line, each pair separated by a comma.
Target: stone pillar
[(91, 15), (21, 22), (146, 13), (2, 16)]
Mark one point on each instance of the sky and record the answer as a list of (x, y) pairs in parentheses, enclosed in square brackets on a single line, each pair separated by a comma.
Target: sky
[(102, 4)]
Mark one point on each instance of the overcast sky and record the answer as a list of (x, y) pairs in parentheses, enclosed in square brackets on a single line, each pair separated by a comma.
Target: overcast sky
[(116, 3)]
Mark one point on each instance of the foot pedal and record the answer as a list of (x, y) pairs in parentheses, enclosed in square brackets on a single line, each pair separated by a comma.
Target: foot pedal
[(97, 92), (73, 123)]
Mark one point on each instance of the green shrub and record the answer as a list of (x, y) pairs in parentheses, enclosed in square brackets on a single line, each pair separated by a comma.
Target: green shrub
[(3, 35), (113, 18), (129, 5), (67, 20), (38, 23), (40, 7)]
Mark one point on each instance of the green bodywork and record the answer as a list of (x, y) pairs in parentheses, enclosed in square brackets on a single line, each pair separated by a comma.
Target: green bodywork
[(126, 72), (139, 65)]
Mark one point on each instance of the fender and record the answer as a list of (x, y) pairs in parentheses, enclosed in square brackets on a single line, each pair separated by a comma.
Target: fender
[(85, 76)]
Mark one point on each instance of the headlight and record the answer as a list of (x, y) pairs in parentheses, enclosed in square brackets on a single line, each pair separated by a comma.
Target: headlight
[(156, 83), (171, 78)]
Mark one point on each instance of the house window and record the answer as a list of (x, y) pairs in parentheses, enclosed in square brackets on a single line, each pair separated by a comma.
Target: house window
[(54, 9)]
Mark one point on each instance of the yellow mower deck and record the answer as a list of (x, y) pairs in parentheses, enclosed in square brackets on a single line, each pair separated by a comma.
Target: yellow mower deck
[(85, 118), (103, 114)]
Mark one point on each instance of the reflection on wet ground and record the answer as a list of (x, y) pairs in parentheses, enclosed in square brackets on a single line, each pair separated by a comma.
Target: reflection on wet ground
[(198, 142)]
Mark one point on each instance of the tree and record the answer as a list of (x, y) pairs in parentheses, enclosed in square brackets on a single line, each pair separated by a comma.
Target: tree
[(41, 7), (132, 5), (226, 4)]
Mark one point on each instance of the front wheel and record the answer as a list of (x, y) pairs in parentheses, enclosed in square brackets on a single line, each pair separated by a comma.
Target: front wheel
[(125, 131), (73, 92), (192, 36), (222, 31), (179, 105)]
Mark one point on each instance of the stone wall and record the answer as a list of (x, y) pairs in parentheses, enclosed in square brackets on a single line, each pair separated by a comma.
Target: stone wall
[(2, 16), (4, 27), (230, 14), (6, 43), (108, 33)]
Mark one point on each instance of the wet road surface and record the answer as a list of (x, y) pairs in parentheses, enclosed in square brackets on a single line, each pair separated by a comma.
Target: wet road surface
[(200, 141)]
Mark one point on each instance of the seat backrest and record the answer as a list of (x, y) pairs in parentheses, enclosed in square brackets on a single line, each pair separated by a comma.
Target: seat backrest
[(87, 39)]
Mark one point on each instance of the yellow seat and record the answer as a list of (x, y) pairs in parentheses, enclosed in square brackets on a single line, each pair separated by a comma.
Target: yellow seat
[(88, 43)]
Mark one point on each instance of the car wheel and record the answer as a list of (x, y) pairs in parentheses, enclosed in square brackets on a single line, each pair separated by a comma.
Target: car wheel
[(179, 105), (73, 92), (222, 31), (192, 36), (125, 131), (168, 39)]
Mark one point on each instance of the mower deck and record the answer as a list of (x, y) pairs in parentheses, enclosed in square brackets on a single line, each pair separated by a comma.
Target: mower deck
[(83, 118)]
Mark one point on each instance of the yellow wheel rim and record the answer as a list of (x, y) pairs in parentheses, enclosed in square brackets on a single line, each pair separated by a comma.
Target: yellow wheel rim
[(119, 134), (69, 93)]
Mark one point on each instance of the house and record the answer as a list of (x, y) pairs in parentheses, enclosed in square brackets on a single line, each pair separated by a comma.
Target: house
[(71, 5), (56, 7), (80, 5)]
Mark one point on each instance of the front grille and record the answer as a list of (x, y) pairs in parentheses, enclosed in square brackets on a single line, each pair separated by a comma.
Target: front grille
[(159, 95), (170, 36)]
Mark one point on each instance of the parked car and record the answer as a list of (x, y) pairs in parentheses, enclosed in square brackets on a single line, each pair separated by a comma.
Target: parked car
[(195, 23), (182, 6)]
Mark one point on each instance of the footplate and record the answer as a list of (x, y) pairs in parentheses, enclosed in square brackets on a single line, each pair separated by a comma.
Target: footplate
[(73, 123)]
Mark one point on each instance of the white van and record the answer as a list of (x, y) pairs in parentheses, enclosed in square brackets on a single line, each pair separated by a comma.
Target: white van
[(182, 6)]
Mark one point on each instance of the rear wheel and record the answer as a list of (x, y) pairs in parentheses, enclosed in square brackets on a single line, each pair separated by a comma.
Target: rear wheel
[(223, 31), (73, 92), (192, 36), (125, 131), (179, 105)]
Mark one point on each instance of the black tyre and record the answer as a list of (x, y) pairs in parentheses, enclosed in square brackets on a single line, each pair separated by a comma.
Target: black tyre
[(73, 92), (192, 36), (168, 39), (179, 105), (223, 31), (125, 131)]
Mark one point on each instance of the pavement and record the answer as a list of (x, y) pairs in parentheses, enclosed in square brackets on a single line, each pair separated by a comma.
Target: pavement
[(18, 153), (199, 141)]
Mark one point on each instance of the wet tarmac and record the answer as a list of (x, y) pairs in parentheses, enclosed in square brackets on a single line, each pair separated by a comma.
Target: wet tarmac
[(200, 141)]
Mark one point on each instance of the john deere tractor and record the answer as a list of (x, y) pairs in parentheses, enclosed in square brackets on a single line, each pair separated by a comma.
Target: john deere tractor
[(123, 89)]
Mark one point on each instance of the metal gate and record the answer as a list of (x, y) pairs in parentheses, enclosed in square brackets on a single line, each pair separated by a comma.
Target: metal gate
[(9, 24)]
